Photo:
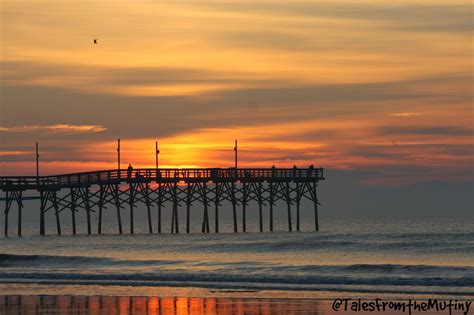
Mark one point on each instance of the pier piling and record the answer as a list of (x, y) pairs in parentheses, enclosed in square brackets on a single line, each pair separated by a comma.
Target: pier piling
[(271, 206), (20, 206), (288, 202), (7, 210), (216, 204)]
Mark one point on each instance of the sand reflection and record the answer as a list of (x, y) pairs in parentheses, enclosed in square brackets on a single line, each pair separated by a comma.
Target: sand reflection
[(46, 304)]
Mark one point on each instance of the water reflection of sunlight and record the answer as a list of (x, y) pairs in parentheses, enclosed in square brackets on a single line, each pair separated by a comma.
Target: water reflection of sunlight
[(153, 305)]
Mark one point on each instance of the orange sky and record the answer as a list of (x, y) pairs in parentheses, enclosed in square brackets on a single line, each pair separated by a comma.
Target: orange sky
[(370, 86)]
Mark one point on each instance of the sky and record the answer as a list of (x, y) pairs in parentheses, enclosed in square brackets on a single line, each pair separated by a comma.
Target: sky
[(377, 92)]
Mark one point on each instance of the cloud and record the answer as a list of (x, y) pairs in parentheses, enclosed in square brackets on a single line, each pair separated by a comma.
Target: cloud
[(131, 81), (55, 129), (13, 153), (426, 131), (405, 114), (425, 16)]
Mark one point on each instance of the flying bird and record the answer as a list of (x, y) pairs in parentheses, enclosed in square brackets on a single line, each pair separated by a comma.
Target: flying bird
[(95, 40)]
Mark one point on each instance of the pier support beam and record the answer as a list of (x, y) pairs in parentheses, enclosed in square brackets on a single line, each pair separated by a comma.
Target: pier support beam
[(117, 206), (205, 222), (315, 200), (80, 197), (298, 200), (271, 206), (147, 202), (20, 206), (73, 210), (45, 197), (160, 204), (189, 193), (7, 210), (56, 211), (244, 207), (130, 201), (216, 205), (101, 205), (234, 206), (288, 202), (88, 209), (10, 197), (42, 209), (260, 214), (298, 216), (174, 219)]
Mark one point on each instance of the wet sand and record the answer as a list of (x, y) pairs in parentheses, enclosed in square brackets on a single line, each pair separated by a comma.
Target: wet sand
[(72, 304), (153, 305)]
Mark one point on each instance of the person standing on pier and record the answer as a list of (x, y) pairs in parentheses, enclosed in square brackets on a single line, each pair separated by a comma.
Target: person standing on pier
[(310, 170), (129, 171)]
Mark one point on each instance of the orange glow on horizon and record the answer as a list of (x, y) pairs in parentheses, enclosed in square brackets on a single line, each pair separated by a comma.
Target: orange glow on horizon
[(282, 145)]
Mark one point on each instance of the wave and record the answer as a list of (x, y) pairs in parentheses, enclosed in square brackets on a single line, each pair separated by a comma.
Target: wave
[(29, 258), (258, 275), (425, 243), (242, 283), (44, 267), (413, 268), (255, 278), (11, 260), (15, 260)]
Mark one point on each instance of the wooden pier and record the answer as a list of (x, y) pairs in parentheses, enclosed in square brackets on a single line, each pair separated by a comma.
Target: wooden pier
[(154, 187)]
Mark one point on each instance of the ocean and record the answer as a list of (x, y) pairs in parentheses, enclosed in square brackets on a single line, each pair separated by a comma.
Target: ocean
[(363, 257)]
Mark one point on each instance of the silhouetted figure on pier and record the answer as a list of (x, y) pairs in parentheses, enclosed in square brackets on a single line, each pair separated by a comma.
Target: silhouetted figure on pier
[(129, 171), (310, 170)]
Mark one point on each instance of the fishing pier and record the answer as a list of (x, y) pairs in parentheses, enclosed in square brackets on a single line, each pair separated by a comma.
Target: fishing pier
[(155, 188)]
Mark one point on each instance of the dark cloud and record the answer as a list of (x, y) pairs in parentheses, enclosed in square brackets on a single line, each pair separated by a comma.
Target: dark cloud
[(428, 131), (14, 71), (410, 152)]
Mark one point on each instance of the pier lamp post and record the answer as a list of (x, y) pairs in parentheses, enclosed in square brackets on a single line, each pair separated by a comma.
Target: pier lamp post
[(37, 163), (157, 152), (118, 157), (235, 150)]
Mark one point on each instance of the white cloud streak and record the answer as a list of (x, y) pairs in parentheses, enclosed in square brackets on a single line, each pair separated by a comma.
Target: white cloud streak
[(55, 129), (405, 114)]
